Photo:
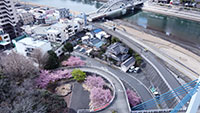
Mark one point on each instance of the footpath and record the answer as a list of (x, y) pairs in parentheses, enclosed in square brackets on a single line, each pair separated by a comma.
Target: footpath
[(183, 60)]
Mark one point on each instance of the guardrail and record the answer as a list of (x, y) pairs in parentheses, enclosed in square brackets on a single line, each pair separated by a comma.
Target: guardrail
[(156, 111)]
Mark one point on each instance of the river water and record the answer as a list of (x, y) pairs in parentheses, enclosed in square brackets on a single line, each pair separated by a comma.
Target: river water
[(182, 29)]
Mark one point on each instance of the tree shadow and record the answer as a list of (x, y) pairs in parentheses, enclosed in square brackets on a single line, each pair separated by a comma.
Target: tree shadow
[(70, 110)]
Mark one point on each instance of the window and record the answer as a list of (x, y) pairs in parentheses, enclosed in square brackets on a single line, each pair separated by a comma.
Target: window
[(5, 37), (28, 54), (29, 49)]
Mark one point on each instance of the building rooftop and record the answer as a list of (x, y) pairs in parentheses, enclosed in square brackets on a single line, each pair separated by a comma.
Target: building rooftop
[(117, 48), (32, 42), (129, 62)]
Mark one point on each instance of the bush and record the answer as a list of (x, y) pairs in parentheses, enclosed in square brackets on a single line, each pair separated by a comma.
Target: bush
[(138, 60), (78, 75), (114, 39)]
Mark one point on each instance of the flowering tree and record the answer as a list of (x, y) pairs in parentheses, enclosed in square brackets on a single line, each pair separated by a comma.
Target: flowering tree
[(73, 62), (133, 98), (46, 77), (99, 97), (94, 81)]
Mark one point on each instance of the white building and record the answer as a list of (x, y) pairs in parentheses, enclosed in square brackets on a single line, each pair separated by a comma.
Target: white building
[(58, 33), (52, 18), (8, 17), (25, 46), (4, 38), (102, 34), (26, 17)]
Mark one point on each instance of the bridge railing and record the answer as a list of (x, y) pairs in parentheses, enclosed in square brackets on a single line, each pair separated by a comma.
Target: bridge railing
[(166, 97)]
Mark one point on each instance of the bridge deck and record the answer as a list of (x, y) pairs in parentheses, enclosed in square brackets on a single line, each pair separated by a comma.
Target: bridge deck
[(112, 7)]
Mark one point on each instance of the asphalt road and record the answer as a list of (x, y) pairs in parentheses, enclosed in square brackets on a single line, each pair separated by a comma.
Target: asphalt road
[(80, 98), (141, 89), (150, 57)]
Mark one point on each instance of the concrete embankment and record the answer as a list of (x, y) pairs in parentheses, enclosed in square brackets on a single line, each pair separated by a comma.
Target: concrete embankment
[(172, 12), (39, 5)]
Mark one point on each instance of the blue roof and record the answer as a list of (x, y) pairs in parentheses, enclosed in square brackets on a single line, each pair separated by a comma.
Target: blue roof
[(97, 30), (97, 42)]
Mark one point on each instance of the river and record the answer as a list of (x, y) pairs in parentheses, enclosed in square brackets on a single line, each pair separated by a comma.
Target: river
[(182, 29)]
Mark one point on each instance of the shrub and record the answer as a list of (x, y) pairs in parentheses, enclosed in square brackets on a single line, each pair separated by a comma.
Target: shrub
[(78, 75)]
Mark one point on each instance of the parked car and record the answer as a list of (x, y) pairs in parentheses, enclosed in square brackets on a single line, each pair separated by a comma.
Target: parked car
[(136, 70), (145, 50), (131, 69), (82, 50), (77, 47)]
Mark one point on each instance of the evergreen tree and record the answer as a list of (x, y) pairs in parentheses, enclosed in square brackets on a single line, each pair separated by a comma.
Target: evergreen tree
[(52, 60), (68, 47)]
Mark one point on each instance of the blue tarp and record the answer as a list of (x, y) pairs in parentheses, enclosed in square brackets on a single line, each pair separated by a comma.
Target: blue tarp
[(97, 30)]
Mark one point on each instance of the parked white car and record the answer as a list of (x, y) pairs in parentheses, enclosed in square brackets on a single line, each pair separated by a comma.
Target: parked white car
[(131, 69), (136, 70)]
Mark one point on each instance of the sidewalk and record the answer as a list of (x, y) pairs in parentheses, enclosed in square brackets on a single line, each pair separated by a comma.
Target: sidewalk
[(180, 58)]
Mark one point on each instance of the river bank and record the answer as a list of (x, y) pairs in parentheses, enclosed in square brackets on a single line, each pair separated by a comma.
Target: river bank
[(172, 11), (184, 60), (173, 39)]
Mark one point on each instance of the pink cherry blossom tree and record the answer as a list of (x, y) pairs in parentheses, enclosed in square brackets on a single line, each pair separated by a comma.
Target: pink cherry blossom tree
[(100, 97), (47, 77), (133, 98), (94, 81), (73, 62)]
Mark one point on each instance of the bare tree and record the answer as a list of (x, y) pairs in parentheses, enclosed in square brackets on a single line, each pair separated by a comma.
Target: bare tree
[(17, 66), (37, 56)]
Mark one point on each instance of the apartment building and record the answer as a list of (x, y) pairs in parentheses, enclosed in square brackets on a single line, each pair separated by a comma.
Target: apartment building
[(8, 17)]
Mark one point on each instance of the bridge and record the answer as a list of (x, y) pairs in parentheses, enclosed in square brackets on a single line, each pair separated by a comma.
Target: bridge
[(113, 8), (189, 103)]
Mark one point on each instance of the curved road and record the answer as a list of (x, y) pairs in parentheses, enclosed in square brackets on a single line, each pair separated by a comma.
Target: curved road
[(120, 103), (141, 89), (169, 79)]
